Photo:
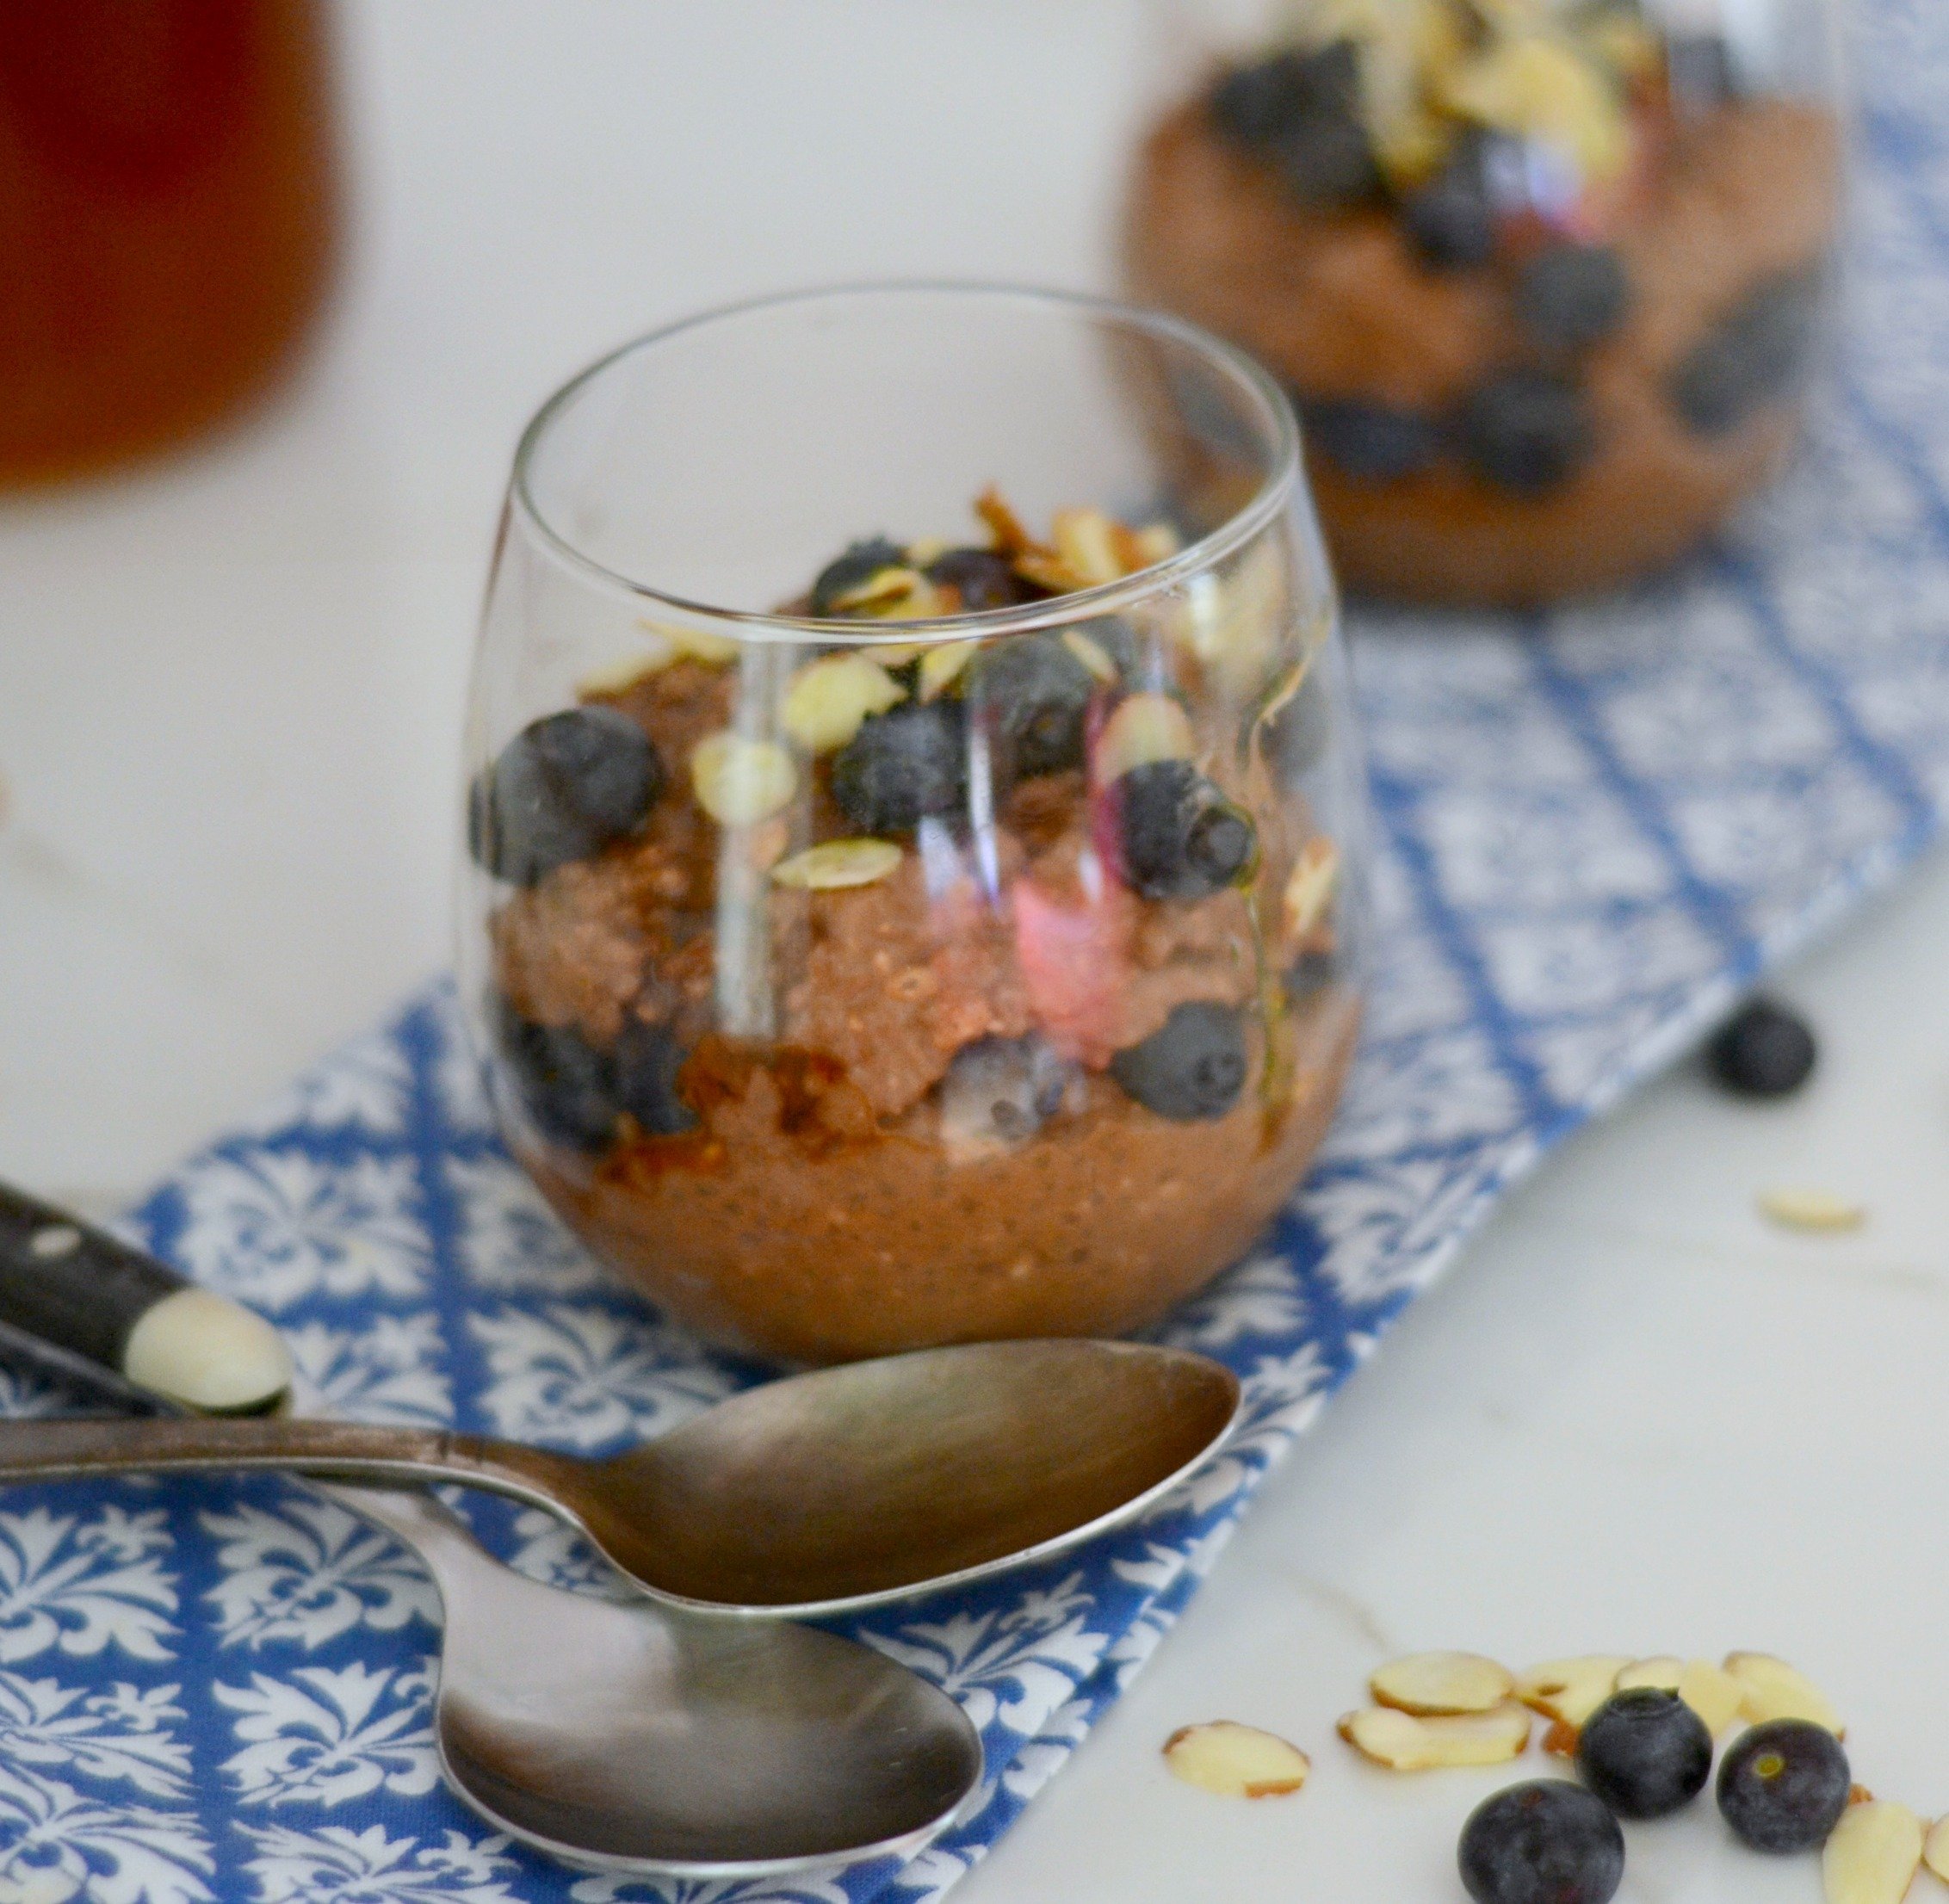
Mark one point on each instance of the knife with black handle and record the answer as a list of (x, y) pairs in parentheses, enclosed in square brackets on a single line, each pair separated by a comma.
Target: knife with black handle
[(90, 1309)]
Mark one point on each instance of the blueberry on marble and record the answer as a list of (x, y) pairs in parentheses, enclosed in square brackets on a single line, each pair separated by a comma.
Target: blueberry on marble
[(1763, 1051), (1526, 431), (1783, 1785), (565, 1086), (1001, 1090), (1371, 441), (1545, 1841), (646, 1064), (861, 561), (1180, 838), (1191, 1068), (1572, 296), (563, 788), (901, 766), (1030, 693), (1645, 1753), (984, 579), (1300, 113), (1451, 219), (1752, 357)]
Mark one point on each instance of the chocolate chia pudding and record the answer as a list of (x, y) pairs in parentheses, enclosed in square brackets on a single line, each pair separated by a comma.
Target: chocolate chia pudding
[(1542, 282), (994, 989)]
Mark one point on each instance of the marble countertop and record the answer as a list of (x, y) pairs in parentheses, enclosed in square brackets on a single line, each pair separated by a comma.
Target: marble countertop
[(1634, 1418)]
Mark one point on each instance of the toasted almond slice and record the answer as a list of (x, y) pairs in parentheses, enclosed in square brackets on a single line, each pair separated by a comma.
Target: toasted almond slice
[(1712, 1693), (941, 667), (1810, 1209), (1771, 1689), (889, 584), (1310, 888), (1406, 1743), (1560, 1738), (828, 699), (837, 862), (1146, 728), (1935, 1849), (1156, 542), (1571, 1690), (1430, 1683), (739, 781), (1871, 1855), (1090, 654), (1664, 1672), (1086, 541), (1235, 1761)]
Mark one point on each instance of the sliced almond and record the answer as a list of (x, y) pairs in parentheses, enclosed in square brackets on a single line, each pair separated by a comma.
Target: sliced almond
[(1664, 1672), (1430, 1683), (1560, 1738), (1771, 1689), (1235, 1761), (740, 782), (837, 862), (1935, 1849), (941, 667), (1810, 1209), (828, 699), (1087, 539), (1712, 1693), (878, 591), (1310, 888), (1403, 1742), (1146, 728), (1871, 1855), (1571, 1690), (1090, 654), (1155, 542)]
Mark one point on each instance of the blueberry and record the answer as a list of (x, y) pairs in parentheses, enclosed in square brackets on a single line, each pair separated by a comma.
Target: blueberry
[(861, 563), (1645, 1753), (1572, 296), (1373, 442), (1544, 1842), (1783, 1785), (1180, 837), (902, 765), (1699, 70), (1763, 1051), (565, 1086), (1751, 357), (1192, 1068), (1309, 975), (1031, 693), (1301, 112), (1002, 1090), (983, 577), (646, 1064), (1526, 431), (1451, 219), (561, 790)]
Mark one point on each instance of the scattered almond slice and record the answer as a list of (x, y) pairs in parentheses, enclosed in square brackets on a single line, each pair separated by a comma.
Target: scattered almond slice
[(1771, 1689), (1403, 1742), (1571, 1690), (1310, 888), (1235, 1761), (1935, 1849), (1712, 1693), (1664, 1672), (837, 862), (1146, 727), (1090, 654), (880, 592), (738, 782), (1426, 1683), (1086, 541), (1560, 1738), (1810, 1209), (829, 699), (663, 643), (941, 667), (1154, 542), (1871, 1855)]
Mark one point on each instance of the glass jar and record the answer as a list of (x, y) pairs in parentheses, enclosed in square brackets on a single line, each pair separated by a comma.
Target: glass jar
[(1543, 277), (914, 885)]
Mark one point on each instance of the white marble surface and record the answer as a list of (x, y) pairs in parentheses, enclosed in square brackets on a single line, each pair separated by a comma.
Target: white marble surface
[(1634, 1418)]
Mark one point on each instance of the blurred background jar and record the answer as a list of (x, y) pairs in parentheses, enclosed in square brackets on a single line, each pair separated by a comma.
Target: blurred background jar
[(1545, 278), (167, 214)]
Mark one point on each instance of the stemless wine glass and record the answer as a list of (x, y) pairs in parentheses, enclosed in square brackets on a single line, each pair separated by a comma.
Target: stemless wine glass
[(914, 886)]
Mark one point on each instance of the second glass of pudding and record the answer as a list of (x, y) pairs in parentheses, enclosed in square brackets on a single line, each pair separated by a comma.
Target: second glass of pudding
[(915, 837)]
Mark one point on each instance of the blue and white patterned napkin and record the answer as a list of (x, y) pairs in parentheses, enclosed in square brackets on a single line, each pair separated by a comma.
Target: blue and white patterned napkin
[(1595, 833)]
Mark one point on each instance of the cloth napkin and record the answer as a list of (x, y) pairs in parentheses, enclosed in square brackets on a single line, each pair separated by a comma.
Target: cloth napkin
[(1594, 831)]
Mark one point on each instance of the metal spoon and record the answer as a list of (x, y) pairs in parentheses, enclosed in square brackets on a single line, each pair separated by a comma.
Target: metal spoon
[(810, 1496)]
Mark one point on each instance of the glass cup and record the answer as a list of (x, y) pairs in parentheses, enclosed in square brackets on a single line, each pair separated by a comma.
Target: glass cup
[(915, 838), (1545, 278)]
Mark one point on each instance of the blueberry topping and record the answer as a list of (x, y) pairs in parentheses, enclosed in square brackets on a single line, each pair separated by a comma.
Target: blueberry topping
[(1764, 1051), (902, 765), (1645, 1753), (1374, 442), (859, 564), (1544, 1842), (1031, 692), (565, 1086), (1572, 296), (1526, 431), (983, 577), (646, 1063), (1451, 219), (1699, 70), (562, 789), (1180, 837), (1783, 1785), (1002, 1090), (1752, 357), (1192, 1068), (1300, 113)]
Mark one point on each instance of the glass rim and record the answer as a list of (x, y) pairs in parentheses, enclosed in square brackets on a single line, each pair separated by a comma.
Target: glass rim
[(1265, 503)]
